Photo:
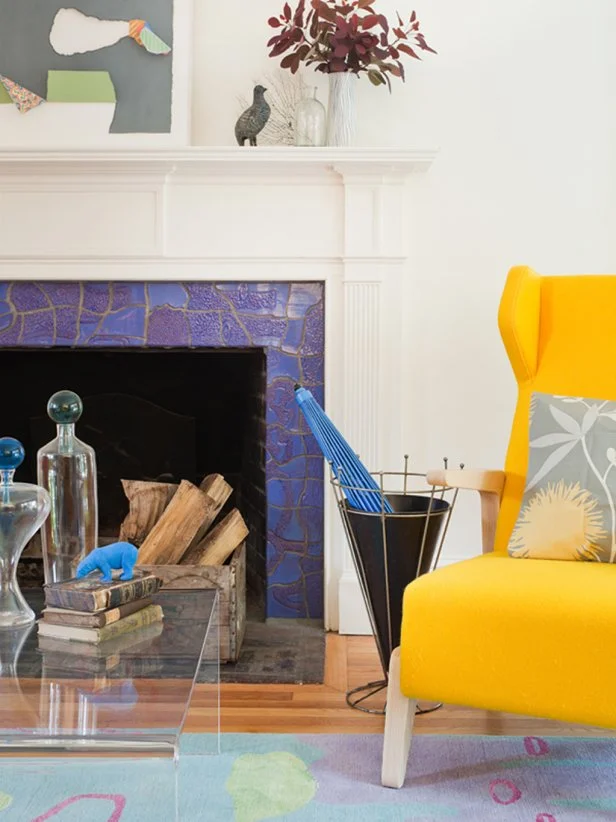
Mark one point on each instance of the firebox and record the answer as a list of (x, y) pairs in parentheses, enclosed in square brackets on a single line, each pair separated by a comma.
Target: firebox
[(181, 380)]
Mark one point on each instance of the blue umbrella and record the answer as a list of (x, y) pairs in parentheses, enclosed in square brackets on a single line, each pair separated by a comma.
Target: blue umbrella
[(359, 486)]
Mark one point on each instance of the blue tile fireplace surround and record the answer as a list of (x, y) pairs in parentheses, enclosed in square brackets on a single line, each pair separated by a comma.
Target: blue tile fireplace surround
[(286, 320)]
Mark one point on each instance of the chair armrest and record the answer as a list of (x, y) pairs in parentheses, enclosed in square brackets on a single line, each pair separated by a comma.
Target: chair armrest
[(492, 482), (490, 485)]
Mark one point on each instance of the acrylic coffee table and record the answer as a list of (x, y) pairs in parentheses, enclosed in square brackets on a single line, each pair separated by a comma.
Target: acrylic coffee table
[(131, 698)]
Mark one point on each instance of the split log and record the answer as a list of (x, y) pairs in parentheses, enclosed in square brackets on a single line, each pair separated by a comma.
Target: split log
[(185, 521), (175, 531), (147, 501), (217, 492), (220, 543)]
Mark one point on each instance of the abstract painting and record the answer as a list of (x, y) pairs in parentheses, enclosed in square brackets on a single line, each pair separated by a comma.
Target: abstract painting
[(94, 72)]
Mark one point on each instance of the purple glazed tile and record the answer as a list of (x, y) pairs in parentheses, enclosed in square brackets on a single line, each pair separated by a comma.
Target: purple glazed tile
[(314, 595), (232, 332), (96, 297), (282, 365), (173, 295), (67, 326), (284, 492), (302, 297), (205, 328), (88, 325), (205, 297), (39, 328), (294, 337), (310, 564), (283, 523), (62, 294), (315, 465), (168, 327), (28, 297), (4, 290), (7, 316), (281, 406), (312, 495), (12, 335), (313, 369), (288, 571), (266, 299), (311, 522), (315, 549), (265, 330), (127, 322), (282, 445), (314, 337), (286, 601), (128, 294)]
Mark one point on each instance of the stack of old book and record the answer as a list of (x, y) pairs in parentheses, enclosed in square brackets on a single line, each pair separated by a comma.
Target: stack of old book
[(86, 610)]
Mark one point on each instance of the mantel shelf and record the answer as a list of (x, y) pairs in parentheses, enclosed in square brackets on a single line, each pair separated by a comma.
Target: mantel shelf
[(227, 162)]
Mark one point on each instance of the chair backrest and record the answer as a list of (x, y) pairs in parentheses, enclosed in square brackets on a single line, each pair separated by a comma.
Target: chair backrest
[(560, 335)]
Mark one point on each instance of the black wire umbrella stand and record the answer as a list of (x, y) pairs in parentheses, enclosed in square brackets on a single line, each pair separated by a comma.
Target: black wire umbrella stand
[(389, 550)]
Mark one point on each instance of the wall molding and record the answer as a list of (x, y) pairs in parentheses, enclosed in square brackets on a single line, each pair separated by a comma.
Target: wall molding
[(230, 162)]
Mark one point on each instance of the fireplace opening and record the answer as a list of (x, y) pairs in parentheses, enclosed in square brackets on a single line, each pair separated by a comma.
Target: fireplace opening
[(156, 415)]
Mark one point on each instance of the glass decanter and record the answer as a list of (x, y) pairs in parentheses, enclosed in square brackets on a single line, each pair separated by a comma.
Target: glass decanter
[(23, 509), (310, 121), (66, 467)]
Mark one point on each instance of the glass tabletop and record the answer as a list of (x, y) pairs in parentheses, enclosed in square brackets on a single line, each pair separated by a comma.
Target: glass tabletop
[(129, 695)]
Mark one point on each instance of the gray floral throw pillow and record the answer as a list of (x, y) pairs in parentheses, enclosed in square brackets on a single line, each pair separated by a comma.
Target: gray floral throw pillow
[(569, 506)]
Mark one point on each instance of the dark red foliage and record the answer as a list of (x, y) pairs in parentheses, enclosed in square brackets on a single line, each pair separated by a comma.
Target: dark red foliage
[(345, 36)]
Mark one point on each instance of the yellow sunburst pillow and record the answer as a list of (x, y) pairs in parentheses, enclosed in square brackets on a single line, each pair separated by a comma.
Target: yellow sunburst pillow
[(569, 506)]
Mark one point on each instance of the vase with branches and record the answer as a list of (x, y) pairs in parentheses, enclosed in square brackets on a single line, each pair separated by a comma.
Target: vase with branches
[(345, 40)]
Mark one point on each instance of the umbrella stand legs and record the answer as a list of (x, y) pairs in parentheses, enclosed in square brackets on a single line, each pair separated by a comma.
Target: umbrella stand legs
[(356, 696)]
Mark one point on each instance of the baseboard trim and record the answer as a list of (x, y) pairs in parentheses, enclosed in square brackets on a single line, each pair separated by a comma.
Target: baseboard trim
[(353, 616)]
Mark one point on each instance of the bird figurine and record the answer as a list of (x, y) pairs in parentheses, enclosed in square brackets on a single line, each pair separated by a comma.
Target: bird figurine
[(254, 119)]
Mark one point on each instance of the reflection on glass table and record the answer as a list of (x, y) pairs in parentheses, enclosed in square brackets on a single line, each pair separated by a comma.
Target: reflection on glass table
[(128, 695)]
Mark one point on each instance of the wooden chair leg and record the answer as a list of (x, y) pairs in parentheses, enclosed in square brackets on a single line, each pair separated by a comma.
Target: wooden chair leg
[(399, 718)]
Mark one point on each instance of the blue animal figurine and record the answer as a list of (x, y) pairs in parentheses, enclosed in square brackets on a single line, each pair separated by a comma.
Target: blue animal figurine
[(118, 555)]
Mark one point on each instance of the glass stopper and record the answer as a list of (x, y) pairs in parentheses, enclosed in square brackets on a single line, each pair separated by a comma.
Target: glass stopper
[(64, 407), (12, 454)]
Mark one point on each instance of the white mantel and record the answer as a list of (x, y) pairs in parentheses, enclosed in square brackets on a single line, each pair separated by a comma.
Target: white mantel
[(336, 215)]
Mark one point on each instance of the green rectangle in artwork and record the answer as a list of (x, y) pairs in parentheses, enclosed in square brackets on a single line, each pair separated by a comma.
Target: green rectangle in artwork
[(80, 87), (4, 95)]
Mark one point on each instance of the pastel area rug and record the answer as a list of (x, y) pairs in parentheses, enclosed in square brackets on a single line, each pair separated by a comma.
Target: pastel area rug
[(321, 778)]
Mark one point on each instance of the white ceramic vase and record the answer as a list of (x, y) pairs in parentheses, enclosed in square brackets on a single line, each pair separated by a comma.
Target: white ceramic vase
[(342, 109)]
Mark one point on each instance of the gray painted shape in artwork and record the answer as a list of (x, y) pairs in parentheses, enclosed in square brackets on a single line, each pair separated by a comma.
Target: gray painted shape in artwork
[(142, 81)]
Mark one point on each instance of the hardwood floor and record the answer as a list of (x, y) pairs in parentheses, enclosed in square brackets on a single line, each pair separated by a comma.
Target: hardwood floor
[(351, 661)]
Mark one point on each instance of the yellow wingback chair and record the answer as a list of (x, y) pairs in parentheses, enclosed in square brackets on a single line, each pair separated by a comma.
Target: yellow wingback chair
[(529, 636)]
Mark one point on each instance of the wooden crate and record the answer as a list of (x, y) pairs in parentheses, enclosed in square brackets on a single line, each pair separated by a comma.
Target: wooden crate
[(231, 583)]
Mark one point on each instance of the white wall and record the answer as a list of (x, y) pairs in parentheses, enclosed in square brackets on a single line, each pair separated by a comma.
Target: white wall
[(520, 100)]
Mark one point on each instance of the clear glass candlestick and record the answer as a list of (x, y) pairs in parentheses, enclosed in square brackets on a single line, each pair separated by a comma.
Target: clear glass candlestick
[(23, 509), (66, 467)]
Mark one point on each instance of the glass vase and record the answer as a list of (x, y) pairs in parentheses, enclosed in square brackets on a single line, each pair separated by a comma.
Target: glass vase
[(23, 509), (66, 467), (342, 109), (310, 121)]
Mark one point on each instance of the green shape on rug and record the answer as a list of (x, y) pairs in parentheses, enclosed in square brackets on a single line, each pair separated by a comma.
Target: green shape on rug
[(4, 95), (265, 786), (586, 804), (5, 801), (80, 87)]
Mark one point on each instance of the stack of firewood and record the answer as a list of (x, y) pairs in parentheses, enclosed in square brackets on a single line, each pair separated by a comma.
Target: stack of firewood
[(172, 524)]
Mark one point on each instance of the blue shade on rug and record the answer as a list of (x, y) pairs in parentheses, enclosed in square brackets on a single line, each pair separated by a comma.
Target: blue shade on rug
[(323, 778)]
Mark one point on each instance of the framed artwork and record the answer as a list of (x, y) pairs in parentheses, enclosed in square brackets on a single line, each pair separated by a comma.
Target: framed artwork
[(95, 73)]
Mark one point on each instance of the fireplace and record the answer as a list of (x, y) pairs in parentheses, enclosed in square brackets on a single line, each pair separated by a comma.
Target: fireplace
[(180, 380)]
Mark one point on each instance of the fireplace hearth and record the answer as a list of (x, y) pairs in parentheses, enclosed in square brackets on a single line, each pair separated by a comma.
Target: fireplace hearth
[(180, 380)]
